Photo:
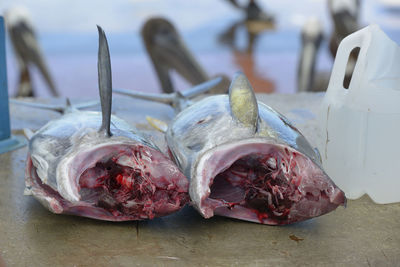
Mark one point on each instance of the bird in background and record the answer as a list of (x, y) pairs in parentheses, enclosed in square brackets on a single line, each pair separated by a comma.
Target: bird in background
[(168, 52), (27, 51), (345, 18)]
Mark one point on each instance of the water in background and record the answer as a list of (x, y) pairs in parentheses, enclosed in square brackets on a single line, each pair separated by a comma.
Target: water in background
[(68, 36)]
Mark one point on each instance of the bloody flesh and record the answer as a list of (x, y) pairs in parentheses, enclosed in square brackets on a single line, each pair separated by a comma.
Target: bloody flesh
[(116, 183), (266, 184), (128, 190)]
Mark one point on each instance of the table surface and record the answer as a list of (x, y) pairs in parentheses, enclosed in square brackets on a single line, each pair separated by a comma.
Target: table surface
[(362, 234)]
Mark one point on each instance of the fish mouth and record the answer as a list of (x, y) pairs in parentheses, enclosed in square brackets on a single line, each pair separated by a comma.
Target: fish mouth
[(118, 183), (262, 182)]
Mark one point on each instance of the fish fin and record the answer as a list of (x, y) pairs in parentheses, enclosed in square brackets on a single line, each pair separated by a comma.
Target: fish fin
[(28, 133), (243, 102), (105, 82), (56, 108), (157, 124)]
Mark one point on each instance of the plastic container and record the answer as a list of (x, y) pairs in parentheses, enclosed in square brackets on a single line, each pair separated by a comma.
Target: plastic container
[(360, 126)]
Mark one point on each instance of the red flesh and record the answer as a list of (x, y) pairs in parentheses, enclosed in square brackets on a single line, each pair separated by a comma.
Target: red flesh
[(278, 187), (259, 187), (131, 191), (112, 191)]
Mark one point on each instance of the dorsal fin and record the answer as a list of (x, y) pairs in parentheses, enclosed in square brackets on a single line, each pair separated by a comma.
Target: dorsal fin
[(105, 83), (243, 102)]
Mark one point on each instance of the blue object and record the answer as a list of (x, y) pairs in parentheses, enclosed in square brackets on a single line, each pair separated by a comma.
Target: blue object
[(7, 141)]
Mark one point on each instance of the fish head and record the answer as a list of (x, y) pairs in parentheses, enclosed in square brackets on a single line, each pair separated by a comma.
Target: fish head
[(95, 165), (122, 177), (262, 181), (247, 161)]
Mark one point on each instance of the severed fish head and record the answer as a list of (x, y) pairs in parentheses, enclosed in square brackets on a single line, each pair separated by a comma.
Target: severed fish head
[(95, 165), (246, 161), (74, 169)]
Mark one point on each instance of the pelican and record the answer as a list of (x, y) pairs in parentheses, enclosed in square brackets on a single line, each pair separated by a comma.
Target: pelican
[(256, 21), (27, 51), (345, 14), (311, 38), (253, 11), (168, 52)]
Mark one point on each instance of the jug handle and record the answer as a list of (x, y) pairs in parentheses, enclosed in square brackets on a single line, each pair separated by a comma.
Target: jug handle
[(359, 39)]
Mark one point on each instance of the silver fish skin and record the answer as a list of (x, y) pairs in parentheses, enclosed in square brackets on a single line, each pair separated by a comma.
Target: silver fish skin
[(95, 165), (246, 161)]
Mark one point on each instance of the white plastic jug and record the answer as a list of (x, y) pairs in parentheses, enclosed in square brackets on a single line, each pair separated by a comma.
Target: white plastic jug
[(360, 126)]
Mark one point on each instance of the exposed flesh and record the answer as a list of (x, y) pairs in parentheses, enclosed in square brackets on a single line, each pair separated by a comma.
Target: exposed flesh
[(129, 190), (276, 187), (133, 183)]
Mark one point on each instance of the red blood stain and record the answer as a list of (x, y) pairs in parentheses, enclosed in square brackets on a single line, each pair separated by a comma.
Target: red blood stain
[(124, 190)]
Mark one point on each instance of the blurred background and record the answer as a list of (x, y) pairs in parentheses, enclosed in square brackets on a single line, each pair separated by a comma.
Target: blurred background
[(67, 34)]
